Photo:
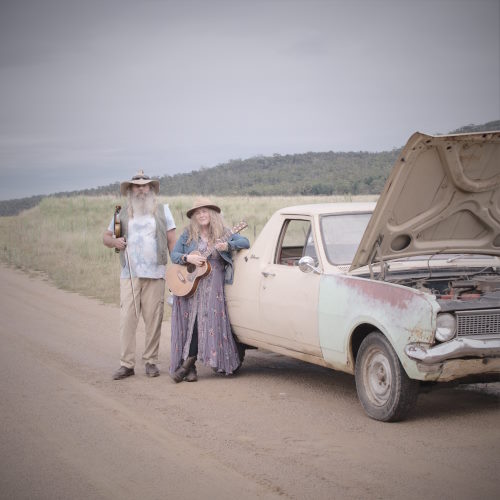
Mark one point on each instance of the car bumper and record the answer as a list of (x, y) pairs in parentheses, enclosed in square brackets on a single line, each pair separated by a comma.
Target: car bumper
[(456, 348)]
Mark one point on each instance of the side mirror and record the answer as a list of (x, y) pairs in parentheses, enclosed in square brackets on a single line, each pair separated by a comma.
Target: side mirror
[(306, 265)]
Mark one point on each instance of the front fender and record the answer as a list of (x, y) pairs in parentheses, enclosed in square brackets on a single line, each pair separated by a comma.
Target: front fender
[(402, 314)]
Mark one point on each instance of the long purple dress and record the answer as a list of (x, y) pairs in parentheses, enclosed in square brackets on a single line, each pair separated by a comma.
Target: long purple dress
[(216, 345)]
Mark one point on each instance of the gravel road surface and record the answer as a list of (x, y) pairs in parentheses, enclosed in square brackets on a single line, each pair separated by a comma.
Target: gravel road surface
[(279, 429)]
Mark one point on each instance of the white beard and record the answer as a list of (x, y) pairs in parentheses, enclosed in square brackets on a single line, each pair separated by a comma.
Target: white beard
[(143, 204)]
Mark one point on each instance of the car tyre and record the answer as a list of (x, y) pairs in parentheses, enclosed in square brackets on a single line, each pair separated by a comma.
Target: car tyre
[(384, 389), (241, 351)]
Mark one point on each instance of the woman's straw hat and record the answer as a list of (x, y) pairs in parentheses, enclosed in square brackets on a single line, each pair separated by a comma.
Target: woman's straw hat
[(140, 179), (202, 203)]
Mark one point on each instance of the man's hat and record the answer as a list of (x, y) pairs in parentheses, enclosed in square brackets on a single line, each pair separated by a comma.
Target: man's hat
[(140, 179)]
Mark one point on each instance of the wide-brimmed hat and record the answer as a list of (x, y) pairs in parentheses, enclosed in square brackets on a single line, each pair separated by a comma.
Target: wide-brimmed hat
[(202, 203), (139, 179)]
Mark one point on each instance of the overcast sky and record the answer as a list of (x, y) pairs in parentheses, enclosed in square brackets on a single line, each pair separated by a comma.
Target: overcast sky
[(92, 90)]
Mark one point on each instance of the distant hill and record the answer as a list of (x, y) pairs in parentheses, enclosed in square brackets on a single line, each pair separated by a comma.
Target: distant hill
[(494, 125), (310, 173), (299, 174)]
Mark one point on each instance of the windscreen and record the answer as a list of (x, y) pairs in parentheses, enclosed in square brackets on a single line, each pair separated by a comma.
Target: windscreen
[(342, 234)]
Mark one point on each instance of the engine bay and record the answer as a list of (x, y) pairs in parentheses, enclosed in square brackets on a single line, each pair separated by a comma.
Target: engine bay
[(456, 291)]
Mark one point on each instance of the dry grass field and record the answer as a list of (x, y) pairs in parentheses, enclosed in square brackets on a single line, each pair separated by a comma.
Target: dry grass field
[(62, 237)]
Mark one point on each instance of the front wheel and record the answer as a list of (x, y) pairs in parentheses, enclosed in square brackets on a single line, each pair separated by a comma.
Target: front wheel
[(384, 390)]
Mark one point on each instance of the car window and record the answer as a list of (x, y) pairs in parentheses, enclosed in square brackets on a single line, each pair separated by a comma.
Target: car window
[(342, 234), (296, 241)]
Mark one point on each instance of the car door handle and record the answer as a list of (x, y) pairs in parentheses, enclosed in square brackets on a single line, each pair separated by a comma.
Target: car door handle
[(266, 274)]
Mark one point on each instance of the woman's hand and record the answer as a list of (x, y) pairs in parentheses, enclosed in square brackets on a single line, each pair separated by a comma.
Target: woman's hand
[(196, 259), (222, 246)]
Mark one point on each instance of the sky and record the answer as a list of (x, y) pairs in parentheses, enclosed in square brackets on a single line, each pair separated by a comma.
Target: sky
[(93, 90)]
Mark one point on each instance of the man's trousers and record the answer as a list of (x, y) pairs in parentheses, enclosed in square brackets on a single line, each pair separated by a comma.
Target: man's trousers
[(149, 299)]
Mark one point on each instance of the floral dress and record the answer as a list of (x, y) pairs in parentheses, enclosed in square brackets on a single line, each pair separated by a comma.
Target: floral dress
[(206, 307)]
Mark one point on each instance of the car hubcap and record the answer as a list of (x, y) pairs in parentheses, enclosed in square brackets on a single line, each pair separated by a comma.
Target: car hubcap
[(378, 377)]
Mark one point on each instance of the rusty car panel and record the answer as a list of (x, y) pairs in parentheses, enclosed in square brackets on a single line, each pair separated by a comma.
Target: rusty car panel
[(403, 315)]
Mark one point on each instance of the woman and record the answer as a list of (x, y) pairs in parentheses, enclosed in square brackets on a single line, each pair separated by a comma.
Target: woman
[(200, 323)]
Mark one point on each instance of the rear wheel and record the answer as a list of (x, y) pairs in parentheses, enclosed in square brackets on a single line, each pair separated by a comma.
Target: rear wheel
[(241, 351), (384, 390)]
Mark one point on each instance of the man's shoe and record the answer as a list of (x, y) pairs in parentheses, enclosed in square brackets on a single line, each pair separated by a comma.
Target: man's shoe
[(123, 372), (152, 370)]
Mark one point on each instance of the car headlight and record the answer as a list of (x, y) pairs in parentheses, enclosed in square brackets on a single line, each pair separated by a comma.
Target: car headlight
[(446, 326)]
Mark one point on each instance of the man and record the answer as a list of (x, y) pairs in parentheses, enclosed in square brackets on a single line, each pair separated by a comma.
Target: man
[(148, 235)]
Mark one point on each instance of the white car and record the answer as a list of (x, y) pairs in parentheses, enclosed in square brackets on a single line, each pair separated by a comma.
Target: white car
[(402, 293)]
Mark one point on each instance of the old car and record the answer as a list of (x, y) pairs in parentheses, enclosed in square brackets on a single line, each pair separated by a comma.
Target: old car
[(401, 293)]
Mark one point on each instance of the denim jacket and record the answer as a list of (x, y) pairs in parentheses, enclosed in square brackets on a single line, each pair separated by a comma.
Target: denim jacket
[(236, 242)]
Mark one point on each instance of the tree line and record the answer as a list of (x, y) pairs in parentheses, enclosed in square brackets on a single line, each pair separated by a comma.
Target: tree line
[(324, 173), (299, 174)]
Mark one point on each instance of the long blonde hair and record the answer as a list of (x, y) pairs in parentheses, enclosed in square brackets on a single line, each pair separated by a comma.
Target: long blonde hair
[(216, 228)]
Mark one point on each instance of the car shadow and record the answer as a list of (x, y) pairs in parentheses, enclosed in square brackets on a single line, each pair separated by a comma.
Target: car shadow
[(262, 364), (434, 403), (458, 401)]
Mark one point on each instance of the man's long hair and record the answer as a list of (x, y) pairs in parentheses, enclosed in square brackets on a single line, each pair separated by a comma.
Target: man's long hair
[(216, 230), (141, 206)]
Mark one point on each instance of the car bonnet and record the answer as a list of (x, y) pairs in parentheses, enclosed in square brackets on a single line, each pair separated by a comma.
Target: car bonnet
[(442, 196)]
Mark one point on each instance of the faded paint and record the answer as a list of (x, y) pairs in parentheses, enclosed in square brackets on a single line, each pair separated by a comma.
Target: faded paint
[(402, 314), (401, 299)]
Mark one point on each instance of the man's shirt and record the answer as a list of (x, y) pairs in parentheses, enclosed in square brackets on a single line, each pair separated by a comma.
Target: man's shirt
[(141, 246)]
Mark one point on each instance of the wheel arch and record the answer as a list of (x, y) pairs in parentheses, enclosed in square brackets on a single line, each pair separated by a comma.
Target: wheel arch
[(359, 333), (357, 336)]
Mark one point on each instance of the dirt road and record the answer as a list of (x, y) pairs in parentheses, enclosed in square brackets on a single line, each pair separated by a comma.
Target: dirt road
[(279, 429)]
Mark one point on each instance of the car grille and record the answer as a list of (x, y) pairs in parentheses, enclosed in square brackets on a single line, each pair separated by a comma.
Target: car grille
[(481, 322)]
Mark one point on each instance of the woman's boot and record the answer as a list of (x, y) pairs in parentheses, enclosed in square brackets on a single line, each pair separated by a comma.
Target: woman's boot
[(192, 376), (183, 370)]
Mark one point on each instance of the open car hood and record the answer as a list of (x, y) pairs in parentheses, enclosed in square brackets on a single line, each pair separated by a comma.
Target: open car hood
[(443, 196)]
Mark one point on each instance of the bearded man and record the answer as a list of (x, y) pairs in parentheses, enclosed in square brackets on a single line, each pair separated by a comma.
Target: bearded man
[(148, 235)]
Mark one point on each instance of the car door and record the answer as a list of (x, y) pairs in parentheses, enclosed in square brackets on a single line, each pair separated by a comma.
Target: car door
[(288, 297)]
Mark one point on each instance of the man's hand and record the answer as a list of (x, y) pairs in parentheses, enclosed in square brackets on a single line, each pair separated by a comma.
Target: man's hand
[(120, 243), (109, 240)]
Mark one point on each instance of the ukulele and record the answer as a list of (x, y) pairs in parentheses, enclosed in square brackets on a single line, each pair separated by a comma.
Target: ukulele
[(182, 280)]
